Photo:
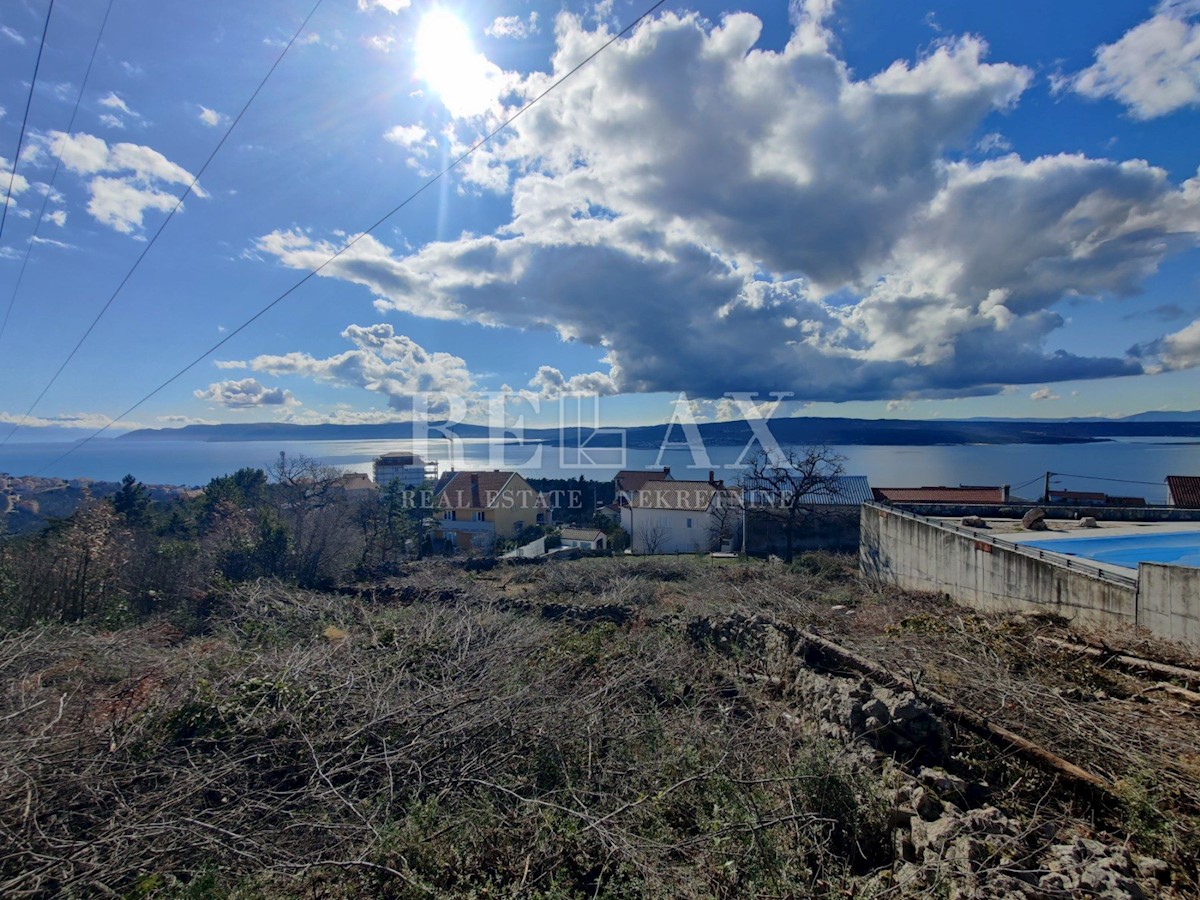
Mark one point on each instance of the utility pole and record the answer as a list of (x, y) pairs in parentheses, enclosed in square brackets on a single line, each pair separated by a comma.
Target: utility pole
[(1046, 491), (745, 553)]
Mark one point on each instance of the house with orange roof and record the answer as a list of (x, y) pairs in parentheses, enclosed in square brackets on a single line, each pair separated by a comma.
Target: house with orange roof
[(1183, 490), (965, 494), (472, 509), (629, 480)]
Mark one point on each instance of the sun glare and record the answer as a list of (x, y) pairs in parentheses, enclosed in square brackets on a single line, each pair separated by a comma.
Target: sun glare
[(447, 61)]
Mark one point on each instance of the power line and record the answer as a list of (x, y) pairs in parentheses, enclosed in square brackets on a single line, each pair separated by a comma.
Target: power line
[(12, 176), (1102, 478), (178, 203), (1026, 483), (350, 243), (54, 175)]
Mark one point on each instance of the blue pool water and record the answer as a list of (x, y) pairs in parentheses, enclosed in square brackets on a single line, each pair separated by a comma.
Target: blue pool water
[(1180, 548)]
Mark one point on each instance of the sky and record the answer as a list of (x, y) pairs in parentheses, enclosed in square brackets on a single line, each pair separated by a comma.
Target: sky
[(861, 208)]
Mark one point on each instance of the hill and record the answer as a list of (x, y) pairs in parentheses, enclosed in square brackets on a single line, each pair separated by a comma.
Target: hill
[(796, 430)]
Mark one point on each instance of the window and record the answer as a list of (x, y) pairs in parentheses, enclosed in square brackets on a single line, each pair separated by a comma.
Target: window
[(689, 523), (477, 517), (448, 515)]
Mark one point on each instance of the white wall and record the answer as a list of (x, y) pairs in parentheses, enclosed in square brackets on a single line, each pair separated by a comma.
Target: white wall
[(667, 530)]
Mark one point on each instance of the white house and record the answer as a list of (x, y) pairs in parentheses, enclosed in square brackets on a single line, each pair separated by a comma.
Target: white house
[(584, 538), (681, 516), (407, 468)]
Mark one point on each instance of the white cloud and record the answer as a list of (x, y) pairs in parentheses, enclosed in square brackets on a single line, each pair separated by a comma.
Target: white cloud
[(186, 420), (392, 6), (821, 240), (1154, 69), (50, 242), (211, 117), (382, 362), (1044, 394), (513, 26), (124, 180), (414, 137), (113, 101), (12, 34), (1180, 350), (19, 183), (121, 204), (993, 142), (89, 421), (245, 394), (382, 42), (550, 383)]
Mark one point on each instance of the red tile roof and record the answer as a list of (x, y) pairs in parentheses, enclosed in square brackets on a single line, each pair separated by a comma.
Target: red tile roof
[(941, 495), (636, 479), (1184, 490), (482, 490)]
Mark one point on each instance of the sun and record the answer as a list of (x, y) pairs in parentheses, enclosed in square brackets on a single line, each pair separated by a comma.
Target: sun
[(447, 61)]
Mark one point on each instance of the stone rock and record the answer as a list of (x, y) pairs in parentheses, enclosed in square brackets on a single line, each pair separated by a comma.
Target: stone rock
[(876, 708), (909, 708), (1088, 522), (1154, 870), (1034, 520), (944, 784), (1094, 869), (927, 805), (973, 522)]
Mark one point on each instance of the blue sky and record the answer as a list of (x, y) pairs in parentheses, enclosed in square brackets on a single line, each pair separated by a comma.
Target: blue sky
[(887, 209)]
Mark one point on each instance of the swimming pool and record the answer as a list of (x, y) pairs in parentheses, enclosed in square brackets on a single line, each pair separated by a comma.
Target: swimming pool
[(1181, 548)]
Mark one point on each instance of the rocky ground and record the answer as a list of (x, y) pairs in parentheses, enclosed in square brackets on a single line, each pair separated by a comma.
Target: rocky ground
[(606, 727)]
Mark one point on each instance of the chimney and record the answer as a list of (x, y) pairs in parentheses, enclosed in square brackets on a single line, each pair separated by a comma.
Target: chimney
[(1004, 493), (711, 476), (666, 470)]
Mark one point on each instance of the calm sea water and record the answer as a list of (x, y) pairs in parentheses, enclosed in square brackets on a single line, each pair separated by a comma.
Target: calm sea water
[(1144, 461)]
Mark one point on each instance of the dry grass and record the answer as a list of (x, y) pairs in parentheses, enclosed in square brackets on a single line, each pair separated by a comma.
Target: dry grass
[(449, 747), (439, 734)]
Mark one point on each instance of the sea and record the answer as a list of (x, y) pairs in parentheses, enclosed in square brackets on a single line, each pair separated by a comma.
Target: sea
[(1125, 467)]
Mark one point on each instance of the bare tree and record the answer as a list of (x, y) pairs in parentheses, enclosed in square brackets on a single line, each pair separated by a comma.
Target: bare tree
[(312, 503), (653, 537), (725, 521), (797, 481)]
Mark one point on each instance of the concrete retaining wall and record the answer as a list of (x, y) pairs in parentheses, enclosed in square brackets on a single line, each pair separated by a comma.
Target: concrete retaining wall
[(1169, 601), (920, 555)]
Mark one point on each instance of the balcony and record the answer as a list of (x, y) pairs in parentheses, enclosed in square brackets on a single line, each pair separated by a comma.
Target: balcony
[(462, 525)]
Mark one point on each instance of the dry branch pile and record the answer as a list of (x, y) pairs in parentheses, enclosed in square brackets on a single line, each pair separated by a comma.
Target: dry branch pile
[(447, 747), (487, 734)]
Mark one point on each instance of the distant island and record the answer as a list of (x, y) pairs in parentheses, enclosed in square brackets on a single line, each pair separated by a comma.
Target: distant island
[(796, 430)]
